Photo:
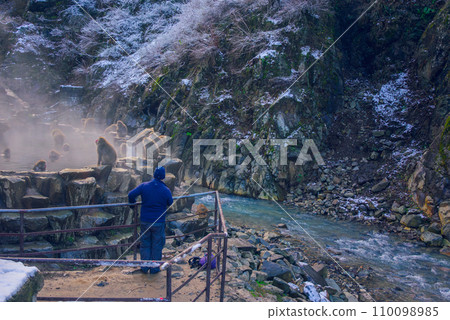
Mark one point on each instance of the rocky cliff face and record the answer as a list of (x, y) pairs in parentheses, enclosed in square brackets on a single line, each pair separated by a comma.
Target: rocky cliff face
[(379, 97)]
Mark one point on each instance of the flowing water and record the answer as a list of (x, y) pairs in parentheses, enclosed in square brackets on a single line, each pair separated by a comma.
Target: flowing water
[(409, 270)]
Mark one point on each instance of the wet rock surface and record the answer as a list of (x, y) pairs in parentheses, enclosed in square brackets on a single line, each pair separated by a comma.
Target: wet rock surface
[(254, 274)]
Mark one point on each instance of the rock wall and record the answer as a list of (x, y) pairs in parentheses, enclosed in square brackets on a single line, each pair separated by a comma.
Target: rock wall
[(73, 187)]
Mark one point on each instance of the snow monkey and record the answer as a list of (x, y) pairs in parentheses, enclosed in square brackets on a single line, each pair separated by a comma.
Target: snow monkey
[(40, 166), (122, 129), (106, 153), (54, 155), (3, 128), (111, 130), (7, 153), (66, 147), (88, 124), (58, 138)]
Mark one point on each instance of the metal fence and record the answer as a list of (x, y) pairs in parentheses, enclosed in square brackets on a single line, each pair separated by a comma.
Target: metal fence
[(216, 244)]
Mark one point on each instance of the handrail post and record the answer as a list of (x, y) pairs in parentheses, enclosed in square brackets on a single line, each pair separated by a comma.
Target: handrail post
[(218, 230), (135, 233), (169, 282), (215, 211), (22, 231), (208, 270), (224, 267)]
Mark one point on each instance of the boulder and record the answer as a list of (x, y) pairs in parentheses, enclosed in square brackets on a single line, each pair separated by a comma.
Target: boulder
[(189, 224), (50, 185), (241, 244), (124, 214), (181, 204), (429, 208), (118, 238), (172, 165), (200, 210), (271, 236), (12, 190), (444, 212), (85, 242), (333, 285), (258, 275), (435, 227), (35, 222), (101, 174), (280, 283), (270, 288), (76, 174), (10, 222), (383, 184), (170, 181), (445, 231), (398, 208), (431, 239), (96, 219), (60, 220), (445, 251), (321, 269), (29, 247), (314, 188), (135, 181), (35, 201), (312, 274), (118, 181), (80, 192), (32, 222), (273, 270), (412, 220), (19, 283)]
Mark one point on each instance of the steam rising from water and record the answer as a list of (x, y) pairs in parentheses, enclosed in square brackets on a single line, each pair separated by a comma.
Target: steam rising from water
[(29, 137)]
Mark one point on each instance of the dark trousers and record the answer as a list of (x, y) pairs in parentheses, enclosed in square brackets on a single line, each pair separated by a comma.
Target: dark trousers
[(152, 243)]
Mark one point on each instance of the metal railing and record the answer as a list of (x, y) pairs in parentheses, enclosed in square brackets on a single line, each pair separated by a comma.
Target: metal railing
[(218, 238)]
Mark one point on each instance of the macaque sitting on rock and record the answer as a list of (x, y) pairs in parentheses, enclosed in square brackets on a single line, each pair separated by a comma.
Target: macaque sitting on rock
[(106, 153), (40, 166), (88, 124), (7, 153), (66, 147), (58, 138), (54, 155), (122, 129)]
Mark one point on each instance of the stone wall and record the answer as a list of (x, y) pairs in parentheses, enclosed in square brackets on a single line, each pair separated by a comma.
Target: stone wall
[(72, 187)]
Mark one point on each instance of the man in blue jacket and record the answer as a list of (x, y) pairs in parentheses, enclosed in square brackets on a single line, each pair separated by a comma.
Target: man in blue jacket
[(156, 198)]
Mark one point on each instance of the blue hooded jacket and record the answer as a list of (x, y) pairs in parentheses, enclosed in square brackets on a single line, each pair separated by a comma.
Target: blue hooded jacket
[(156, 198)]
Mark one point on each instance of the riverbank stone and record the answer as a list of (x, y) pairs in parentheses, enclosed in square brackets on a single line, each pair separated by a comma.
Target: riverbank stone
[(412, 220), (444, 212), (383, 184), (273, 270), (445, 231), (431, 239), (241, 245)]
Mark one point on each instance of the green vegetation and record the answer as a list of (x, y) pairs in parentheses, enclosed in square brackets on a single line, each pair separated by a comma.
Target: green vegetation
[(445, 142)]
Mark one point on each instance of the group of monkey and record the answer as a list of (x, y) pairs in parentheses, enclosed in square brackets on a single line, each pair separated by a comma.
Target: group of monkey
[(106, 152)]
